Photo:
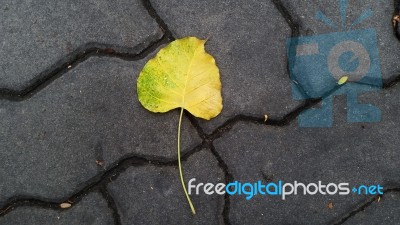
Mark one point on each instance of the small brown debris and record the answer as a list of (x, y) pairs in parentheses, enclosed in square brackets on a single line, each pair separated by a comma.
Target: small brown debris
[(109, 50), (100, 162), (330, 205), (395, 20), (5, 210), (65, 205), (379, 199)]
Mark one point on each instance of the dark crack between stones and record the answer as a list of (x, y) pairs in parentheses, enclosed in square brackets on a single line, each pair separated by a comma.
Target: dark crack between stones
[(396, 4), (57, 70), (228, 178), (153, 13), (100, 181), (79, 55), (294, 26), (86, 51), (295, 32), (368, 202), (111, 204)]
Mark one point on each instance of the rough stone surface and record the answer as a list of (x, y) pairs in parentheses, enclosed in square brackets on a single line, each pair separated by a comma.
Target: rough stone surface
[(348, 152), (387, 211), (381, 20), (35, 35), (247, 40), (93, 209), (50, 142), (154, 195)]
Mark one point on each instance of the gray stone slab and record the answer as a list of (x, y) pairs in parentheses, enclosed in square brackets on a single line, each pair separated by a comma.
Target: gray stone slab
[(381, 20), (154, 195), (386, 211), (93, 209), (50, 142), (37, 34), (248, 40), (355, 153)]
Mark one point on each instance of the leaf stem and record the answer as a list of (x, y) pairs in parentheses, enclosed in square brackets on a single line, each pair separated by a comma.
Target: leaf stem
[(180, 165)]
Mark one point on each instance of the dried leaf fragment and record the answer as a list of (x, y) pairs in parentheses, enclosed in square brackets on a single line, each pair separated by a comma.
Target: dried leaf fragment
[(343, 80), (100, 162), (395, 20), (65, 205)]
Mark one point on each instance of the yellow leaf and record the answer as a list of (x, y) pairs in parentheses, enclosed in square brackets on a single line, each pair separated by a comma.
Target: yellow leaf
[(181, 75), (343, 80)]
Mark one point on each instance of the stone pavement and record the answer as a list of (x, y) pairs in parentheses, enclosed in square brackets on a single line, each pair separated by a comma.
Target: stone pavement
[(72, 130)]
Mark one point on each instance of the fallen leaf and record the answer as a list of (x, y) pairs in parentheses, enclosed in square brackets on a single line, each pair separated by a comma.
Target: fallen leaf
[(343, 80), (330, 205), (181, 75)]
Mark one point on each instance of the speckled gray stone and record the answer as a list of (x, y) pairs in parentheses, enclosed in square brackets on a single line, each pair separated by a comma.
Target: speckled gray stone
[(248, 40), (386, 211), (154, 195), (92, 209), (348, 152), (304, 12), (50, 142), (35, 35)]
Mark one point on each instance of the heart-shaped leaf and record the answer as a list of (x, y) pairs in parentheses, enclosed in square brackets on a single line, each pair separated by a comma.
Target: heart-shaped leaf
[(181, 75)]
